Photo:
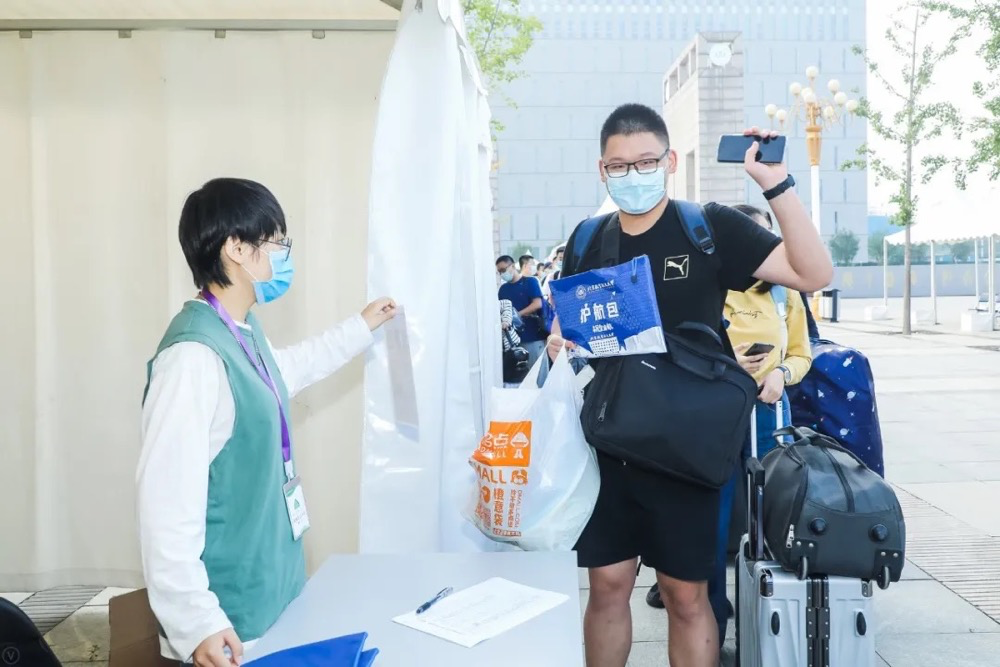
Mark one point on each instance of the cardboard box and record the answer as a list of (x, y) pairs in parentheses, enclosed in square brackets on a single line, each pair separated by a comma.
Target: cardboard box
[(135, 634)]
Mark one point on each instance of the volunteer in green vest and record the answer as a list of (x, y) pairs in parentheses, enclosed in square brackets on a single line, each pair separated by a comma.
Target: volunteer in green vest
[(220, 503)]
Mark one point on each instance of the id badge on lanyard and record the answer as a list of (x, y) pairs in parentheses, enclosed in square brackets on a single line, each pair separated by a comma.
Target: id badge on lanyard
[(295, 501)]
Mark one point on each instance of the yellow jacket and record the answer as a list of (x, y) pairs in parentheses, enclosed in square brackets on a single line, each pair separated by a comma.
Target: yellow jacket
[(753, 318)]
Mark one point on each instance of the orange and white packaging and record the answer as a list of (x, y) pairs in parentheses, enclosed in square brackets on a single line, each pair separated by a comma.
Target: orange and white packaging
[(536, 477)]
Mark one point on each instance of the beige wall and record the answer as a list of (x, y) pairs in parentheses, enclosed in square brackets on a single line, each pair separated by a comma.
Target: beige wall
[(682, 116), (196, 10), (102, 139)]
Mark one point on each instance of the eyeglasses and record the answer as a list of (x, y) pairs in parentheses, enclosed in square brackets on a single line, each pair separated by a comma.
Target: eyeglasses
[(647, 166), (285, 243)]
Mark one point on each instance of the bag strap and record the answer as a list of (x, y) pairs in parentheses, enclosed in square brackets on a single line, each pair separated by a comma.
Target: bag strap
[(806, 436), (693, 221), (779, 294), (695, 225), (584, 236), (611, 237)]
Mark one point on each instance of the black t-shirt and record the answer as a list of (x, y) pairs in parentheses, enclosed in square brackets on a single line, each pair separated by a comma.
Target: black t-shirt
[(690, 285)]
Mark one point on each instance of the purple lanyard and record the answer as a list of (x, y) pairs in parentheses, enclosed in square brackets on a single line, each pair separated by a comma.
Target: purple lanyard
[(286, 441)]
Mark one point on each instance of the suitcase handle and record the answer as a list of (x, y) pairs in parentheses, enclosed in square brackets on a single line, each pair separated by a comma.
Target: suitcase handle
[(755, 509)]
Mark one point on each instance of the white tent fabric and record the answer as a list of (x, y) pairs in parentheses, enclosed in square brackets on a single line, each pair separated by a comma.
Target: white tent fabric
[(974, 215), (430, 206), (607, 207), (102, 139)]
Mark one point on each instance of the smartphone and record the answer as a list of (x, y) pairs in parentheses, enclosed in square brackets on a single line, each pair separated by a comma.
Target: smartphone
[(733, 148), (758, 348)]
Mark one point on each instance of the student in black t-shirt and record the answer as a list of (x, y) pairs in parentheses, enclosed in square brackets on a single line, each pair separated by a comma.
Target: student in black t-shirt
[(671, 525)]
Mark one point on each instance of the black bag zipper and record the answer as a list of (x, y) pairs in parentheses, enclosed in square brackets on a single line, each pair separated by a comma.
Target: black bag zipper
[(843, 480)]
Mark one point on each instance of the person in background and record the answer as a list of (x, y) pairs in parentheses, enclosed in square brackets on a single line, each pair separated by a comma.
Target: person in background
[(220, 517), (544, 269), (526, 295), (508, 334), (528, 266)]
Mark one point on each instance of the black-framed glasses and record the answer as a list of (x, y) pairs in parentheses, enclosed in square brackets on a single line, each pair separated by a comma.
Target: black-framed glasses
[(285, 243), (647, 166)]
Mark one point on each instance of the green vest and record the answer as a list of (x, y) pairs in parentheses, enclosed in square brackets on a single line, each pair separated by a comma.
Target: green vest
[(254, 566)]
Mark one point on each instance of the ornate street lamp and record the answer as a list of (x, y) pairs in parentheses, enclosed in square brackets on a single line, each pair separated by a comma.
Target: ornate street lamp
[(819, 113)]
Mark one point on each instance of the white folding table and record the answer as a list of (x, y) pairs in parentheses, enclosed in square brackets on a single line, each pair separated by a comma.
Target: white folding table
[(363, 593)]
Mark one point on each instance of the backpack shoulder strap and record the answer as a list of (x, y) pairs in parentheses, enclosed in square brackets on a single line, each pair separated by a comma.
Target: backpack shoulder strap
[(584, 236), (695, 225), (779, 294), (611, 239)]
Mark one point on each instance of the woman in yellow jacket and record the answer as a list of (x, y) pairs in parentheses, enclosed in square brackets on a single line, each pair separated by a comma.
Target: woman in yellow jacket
[(773, 316)]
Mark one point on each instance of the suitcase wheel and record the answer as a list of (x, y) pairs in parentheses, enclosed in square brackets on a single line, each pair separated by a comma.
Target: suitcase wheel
[(884, 578), (803, 570)]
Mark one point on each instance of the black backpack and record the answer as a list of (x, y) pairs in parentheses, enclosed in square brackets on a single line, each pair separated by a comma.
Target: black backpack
[(21, 643), (827, 513)]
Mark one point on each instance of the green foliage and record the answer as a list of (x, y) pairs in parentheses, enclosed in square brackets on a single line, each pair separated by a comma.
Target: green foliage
[(501, 36), (844, 247), (985, 129), (914, 120), (521, 249), (962, 251)]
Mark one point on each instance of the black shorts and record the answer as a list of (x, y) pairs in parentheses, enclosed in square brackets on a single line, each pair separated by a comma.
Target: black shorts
[(671, 525)]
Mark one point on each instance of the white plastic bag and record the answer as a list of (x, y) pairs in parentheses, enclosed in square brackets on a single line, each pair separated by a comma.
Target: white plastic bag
[(537, 478)]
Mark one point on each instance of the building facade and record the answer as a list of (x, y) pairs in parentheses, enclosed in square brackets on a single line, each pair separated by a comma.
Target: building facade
[(592, 56)]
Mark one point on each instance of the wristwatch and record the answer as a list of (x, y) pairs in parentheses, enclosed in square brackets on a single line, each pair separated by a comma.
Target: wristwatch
[(787, 373), (780, 188)]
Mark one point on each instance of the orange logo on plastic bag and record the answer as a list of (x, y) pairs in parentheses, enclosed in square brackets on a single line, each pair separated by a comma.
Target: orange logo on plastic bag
[(501, 463), (506, 444)]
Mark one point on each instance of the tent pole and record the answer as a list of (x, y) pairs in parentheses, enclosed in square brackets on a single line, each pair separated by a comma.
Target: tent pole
[(992, 283), (885, 273), (933, 284), (975, 261)]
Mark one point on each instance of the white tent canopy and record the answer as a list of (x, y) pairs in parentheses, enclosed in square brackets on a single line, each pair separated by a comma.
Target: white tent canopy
[(971, 217)]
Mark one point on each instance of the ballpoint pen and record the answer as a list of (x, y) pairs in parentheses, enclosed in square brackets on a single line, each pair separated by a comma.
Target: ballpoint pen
[(434, 600)]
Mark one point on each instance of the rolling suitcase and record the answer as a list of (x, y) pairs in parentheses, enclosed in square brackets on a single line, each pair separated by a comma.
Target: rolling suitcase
[(837, 398), (782, 621)]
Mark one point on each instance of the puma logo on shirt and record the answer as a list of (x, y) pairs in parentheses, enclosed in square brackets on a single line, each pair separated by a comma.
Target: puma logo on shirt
[(676, 268)]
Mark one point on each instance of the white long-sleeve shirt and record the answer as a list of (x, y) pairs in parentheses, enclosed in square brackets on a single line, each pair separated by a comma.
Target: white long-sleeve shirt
[(187, 418)]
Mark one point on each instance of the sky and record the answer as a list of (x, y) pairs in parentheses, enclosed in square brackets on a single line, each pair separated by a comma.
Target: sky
[(953, 80)]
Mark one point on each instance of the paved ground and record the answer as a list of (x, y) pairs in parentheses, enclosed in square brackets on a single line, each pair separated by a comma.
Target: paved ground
[(938, 399)]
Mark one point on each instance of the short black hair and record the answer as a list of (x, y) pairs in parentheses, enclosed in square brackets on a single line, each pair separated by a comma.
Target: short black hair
[(523, 260), (633, 119), (505, 258), (752, 211), (222, 209)]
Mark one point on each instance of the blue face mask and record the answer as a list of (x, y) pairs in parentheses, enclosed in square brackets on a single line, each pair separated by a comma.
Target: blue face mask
[(636, 193), (282, 271)]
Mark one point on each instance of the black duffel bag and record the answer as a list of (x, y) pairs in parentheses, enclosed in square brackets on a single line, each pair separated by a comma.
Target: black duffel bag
[(684, 413), (827, 513)]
